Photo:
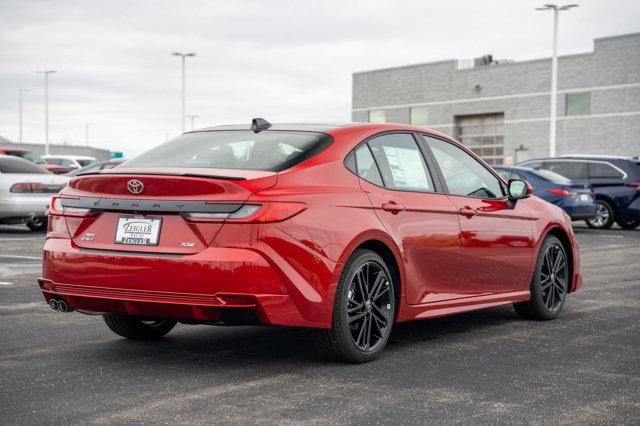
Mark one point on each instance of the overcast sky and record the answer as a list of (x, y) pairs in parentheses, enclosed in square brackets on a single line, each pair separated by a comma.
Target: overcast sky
[(287, 61)]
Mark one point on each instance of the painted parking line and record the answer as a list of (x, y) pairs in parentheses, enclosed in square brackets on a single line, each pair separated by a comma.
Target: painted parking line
[(5, 283), (15, 256)]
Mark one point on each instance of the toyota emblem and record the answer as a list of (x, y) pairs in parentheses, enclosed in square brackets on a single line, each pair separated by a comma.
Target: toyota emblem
[(135, 186)]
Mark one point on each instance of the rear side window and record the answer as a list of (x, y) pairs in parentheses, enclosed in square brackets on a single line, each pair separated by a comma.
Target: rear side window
[(401, 162), (604, 170), (269, 150), (366, 166), (568, 169), (19, 165)]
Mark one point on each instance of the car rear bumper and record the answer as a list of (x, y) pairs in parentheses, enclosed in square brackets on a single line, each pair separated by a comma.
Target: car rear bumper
[(580, 211), (20, 206), (198, 287)]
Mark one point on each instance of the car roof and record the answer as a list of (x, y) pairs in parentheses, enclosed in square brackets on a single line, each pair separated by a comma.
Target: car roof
[(584, 157), (302, 127), (514, 168), (8, 148)]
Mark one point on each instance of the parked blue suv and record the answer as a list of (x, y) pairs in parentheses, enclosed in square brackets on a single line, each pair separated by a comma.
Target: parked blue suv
[(574, 198), (615, 180)]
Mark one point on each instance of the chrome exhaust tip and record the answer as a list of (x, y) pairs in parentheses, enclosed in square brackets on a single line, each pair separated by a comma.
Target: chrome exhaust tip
[(63, 306), (53, 304)]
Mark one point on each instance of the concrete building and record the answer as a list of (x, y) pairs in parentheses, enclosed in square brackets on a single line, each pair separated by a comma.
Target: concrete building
[(500, 109), (99, 153)]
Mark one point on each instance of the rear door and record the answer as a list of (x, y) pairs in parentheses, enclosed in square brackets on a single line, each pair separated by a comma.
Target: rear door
[(496, 239), (420, 218)]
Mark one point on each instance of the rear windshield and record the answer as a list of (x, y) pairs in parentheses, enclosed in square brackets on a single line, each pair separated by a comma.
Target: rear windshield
[(18, 165), (27, 155), (550, 176), (85, 162), (235, 149)]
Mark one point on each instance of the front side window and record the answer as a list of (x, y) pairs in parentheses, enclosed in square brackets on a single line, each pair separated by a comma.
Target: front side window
[(401, 162), (603, 170), (419, 116), (568, 169), (269, 150), (366, 166), (578, 104), (463, 174), (377, 116)]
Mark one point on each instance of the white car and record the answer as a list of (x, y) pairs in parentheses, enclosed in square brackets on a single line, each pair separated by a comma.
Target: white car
[(25, 192), (74, 161)]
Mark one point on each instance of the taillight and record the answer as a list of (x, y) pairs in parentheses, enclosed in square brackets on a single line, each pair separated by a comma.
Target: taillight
[(559, 192), (252, 213), (20, 187), (634, 184), (57, 209)]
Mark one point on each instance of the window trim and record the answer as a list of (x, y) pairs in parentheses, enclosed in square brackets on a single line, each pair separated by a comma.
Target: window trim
[(438, 187), (501, 181)]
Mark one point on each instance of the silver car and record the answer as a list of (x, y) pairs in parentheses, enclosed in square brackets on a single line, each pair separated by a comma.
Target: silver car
[(25, 192)]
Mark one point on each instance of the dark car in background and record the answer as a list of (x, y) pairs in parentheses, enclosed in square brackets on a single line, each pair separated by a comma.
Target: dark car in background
[(577, 199), (615, 180)]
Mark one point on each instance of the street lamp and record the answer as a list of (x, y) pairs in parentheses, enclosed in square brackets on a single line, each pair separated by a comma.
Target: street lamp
[(554, 72), (46, 108), (183, 57), (20, 92), (86, 133), (193, 118)]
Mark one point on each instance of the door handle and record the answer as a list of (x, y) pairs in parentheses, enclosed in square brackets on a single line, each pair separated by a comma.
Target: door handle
[(468, 211), (392, 206)]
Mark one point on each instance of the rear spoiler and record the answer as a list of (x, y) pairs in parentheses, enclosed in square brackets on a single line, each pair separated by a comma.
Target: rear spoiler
[(202, 175)]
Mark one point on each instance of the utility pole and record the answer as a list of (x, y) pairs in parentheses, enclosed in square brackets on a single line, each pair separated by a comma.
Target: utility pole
[(193, 118), (86, 133), (183, 57), (46, 108), (554, 73), (20, 92)]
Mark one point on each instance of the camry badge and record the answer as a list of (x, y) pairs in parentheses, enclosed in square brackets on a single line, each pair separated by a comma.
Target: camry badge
[(135, 186)]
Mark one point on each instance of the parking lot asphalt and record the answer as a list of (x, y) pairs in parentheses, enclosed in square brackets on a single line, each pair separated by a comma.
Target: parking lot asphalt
[(482, 367)]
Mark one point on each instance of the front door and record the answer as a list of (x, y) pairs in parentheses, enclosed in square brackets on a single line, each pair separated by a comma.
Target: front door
[(496, 237)]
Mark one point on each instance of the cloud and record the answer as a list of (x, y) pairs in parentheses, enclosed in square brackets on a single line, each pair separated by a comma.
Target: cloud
[(283, 60)]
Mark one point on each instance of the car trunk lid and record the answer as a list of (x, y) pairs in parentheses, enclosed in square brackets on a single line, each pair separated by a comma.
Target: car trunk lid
[(156, 201)]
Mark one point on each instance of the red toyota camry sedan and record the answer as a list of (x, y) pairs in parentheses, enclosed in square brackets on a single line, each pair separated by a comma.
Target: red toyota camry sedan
[(346, 229)]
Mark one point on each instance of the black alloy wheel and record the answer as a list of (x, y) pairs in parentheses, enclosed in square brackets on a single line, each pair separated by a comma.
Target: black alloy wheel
[(364, 310), (550, 283), (629, 223)]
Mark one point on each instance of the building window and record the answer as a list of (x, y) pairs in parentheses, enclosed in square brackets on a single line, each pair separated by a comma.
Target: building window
[(578, 104), (377, 116), (483, 134), (419, 116)]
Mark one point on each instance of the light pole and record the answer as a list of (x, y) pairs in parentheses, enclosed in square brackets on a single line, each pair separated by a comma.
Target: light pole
[(20, 92), (554, 73), (192, 117), (86, 133), (46, 108), (183, 57)]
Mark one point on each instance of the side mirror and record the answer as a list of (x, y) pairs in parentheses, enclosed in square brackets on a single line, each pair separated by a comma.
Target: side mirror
[(519, 189)]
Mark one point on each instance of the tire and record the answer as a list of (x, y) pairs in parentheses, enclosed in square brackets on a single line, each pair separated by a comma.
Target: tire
[(136, 328), (549, 284), (37, 224), (363, 311), (628, 223), (604, 218)]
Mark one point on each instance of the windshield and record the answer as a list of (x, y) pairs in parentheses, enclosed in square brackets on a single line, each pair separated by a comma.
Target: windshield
[(550, 176), (34, 158), (235, 149)]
